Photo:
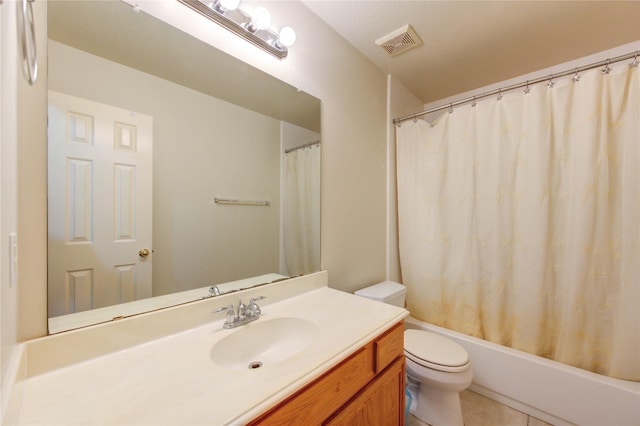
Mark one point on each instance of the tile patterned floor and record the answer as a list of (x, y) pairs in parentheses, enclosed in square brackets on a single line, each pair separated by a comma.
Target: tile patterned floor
[(478, 410)]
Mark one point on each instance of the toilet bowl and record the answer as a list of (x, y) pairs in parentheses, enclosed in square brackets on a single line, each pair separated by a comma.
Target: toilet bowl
[(438, 369), (443, 370)]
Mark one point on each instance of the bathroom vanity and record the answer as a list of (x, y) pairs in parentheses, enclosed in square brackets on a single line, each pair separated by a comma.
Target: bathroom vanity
[(325, 357)]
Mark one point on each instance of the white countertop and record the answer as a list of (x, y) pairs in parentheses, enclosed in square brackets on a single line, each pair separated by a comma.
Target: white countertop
[(173, 381)]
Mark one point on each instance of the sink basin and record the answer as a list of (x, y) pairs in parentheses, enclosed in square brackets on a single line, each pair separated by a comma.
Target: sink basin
[(262, 343)]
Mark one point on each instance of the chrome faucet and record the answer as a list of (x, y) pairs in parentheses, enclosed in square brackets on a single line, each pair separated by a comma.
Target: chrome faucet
[(243, 314)]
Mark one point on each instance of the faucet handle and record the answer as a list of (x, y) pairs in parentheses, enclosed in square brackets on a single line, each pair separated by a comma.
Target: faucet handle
[(253, 310), (224, 309), (231, 316)]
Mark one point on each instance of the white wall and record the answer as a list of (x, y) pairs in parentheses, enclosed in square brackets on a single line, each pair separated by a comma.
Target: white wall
[(203, 148), (8, 222), (294, 136), (401, 102)]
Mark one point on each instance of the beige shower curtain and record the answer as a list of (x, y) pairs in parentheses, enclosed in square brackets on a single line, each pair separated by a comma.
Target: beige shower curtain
[(302, 210), (519, 220)]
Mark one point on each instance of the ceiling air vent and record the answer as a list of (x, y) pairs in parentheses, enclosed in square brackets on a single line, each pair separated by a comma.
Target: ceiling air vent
[(399, 41)]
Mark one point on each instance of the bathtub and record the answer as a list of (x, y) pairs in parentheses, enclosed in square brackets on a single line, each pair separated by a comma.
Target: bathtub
[(545, 389)]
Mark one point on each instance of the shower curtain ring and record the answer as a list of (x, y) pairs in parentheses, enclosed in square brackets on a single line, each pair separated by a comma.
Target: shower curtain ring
[(451, 108), (473, 104), (499, 94), (606, 69), (550, 84), (576, 77), (527, 89), (634, 64)]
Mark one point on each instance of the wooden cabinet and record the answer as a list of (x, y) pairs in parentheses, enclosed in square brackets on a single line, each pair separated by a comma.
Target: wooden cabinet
[(365, 389), (378, 404)]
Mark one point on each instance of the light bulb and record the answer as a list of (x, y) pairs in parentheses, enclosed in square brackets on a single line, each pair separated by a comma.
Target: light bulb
[(287, 37), (229, 4), (260, 19), (221, 6)]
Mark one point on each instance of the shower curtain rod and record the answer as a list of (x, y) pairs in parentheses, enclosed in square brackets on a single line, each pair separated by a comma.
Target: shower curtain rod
[(527, 83), (286, 151)]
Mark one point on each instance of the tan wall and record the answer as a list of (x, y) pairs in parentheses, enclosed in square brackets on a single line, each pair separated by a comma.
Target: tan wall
[(32, 192)]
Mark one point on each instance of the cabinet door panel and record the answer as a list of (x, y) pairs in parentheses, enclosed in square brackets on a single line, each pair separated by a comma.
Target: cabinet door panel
[(389, 346), (381, 403)]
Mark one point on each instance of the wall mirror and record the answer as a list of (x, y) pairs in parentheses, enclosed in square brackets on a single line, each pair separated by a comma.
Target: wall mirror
[(173, 167)]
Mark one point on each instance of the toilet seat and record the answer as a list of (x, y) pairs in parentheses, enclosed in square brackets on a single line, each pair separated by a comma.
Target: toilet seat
[(434, 351)]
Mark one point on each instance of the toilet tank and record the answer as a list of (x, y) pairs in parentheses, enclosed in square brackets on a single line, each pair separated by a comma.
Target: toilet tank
[(387, 291)]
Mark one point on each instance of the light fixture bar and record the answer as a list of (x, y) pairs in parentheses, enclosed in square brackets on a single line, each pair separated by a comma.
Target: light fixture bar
[(236, 21)]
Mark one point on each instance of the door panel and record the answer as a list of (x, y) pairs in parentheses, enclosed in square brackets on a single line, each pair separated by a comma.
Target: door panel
[(100, 211)]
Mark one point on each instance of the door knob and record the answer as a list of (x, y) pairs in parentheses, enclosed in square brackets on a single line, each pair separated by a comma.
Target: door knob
[(143, 253)]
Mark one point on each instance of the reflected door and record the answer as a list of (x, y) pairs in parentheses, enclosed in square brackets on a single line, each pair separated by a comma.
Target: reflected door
[(100, 205)]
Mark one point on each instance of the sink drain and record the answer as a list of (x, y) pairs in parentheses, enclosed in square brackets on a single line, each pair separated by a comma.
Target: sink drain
[(255, 364)]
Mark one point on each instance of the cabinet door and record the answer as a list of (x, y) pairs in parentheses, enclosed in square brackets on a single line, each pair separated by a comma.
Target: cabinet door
[(313, 404), (381, 403)]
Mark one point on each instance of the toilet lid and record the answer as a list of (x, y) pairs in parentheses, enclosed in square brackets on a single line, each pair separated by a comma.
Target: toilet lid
[(434, 351)]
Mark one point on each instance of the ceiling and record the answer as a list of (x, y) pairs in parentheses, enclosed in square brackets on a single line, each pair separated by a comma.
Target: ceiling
[(471, 44)]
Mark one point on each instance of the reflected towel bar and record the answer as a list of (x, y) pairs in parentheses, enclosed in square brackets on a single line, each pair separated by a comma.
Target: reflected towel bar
[(241, 202)]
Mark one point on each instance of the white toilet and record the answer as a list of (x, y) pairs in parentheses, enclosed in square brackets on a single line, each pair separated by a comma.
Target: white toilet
[(438, 369)]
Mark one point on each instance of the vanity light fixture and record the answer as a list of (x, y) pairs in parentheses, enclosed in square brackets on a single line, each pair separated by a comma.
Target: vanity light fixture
[(253, 27)]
